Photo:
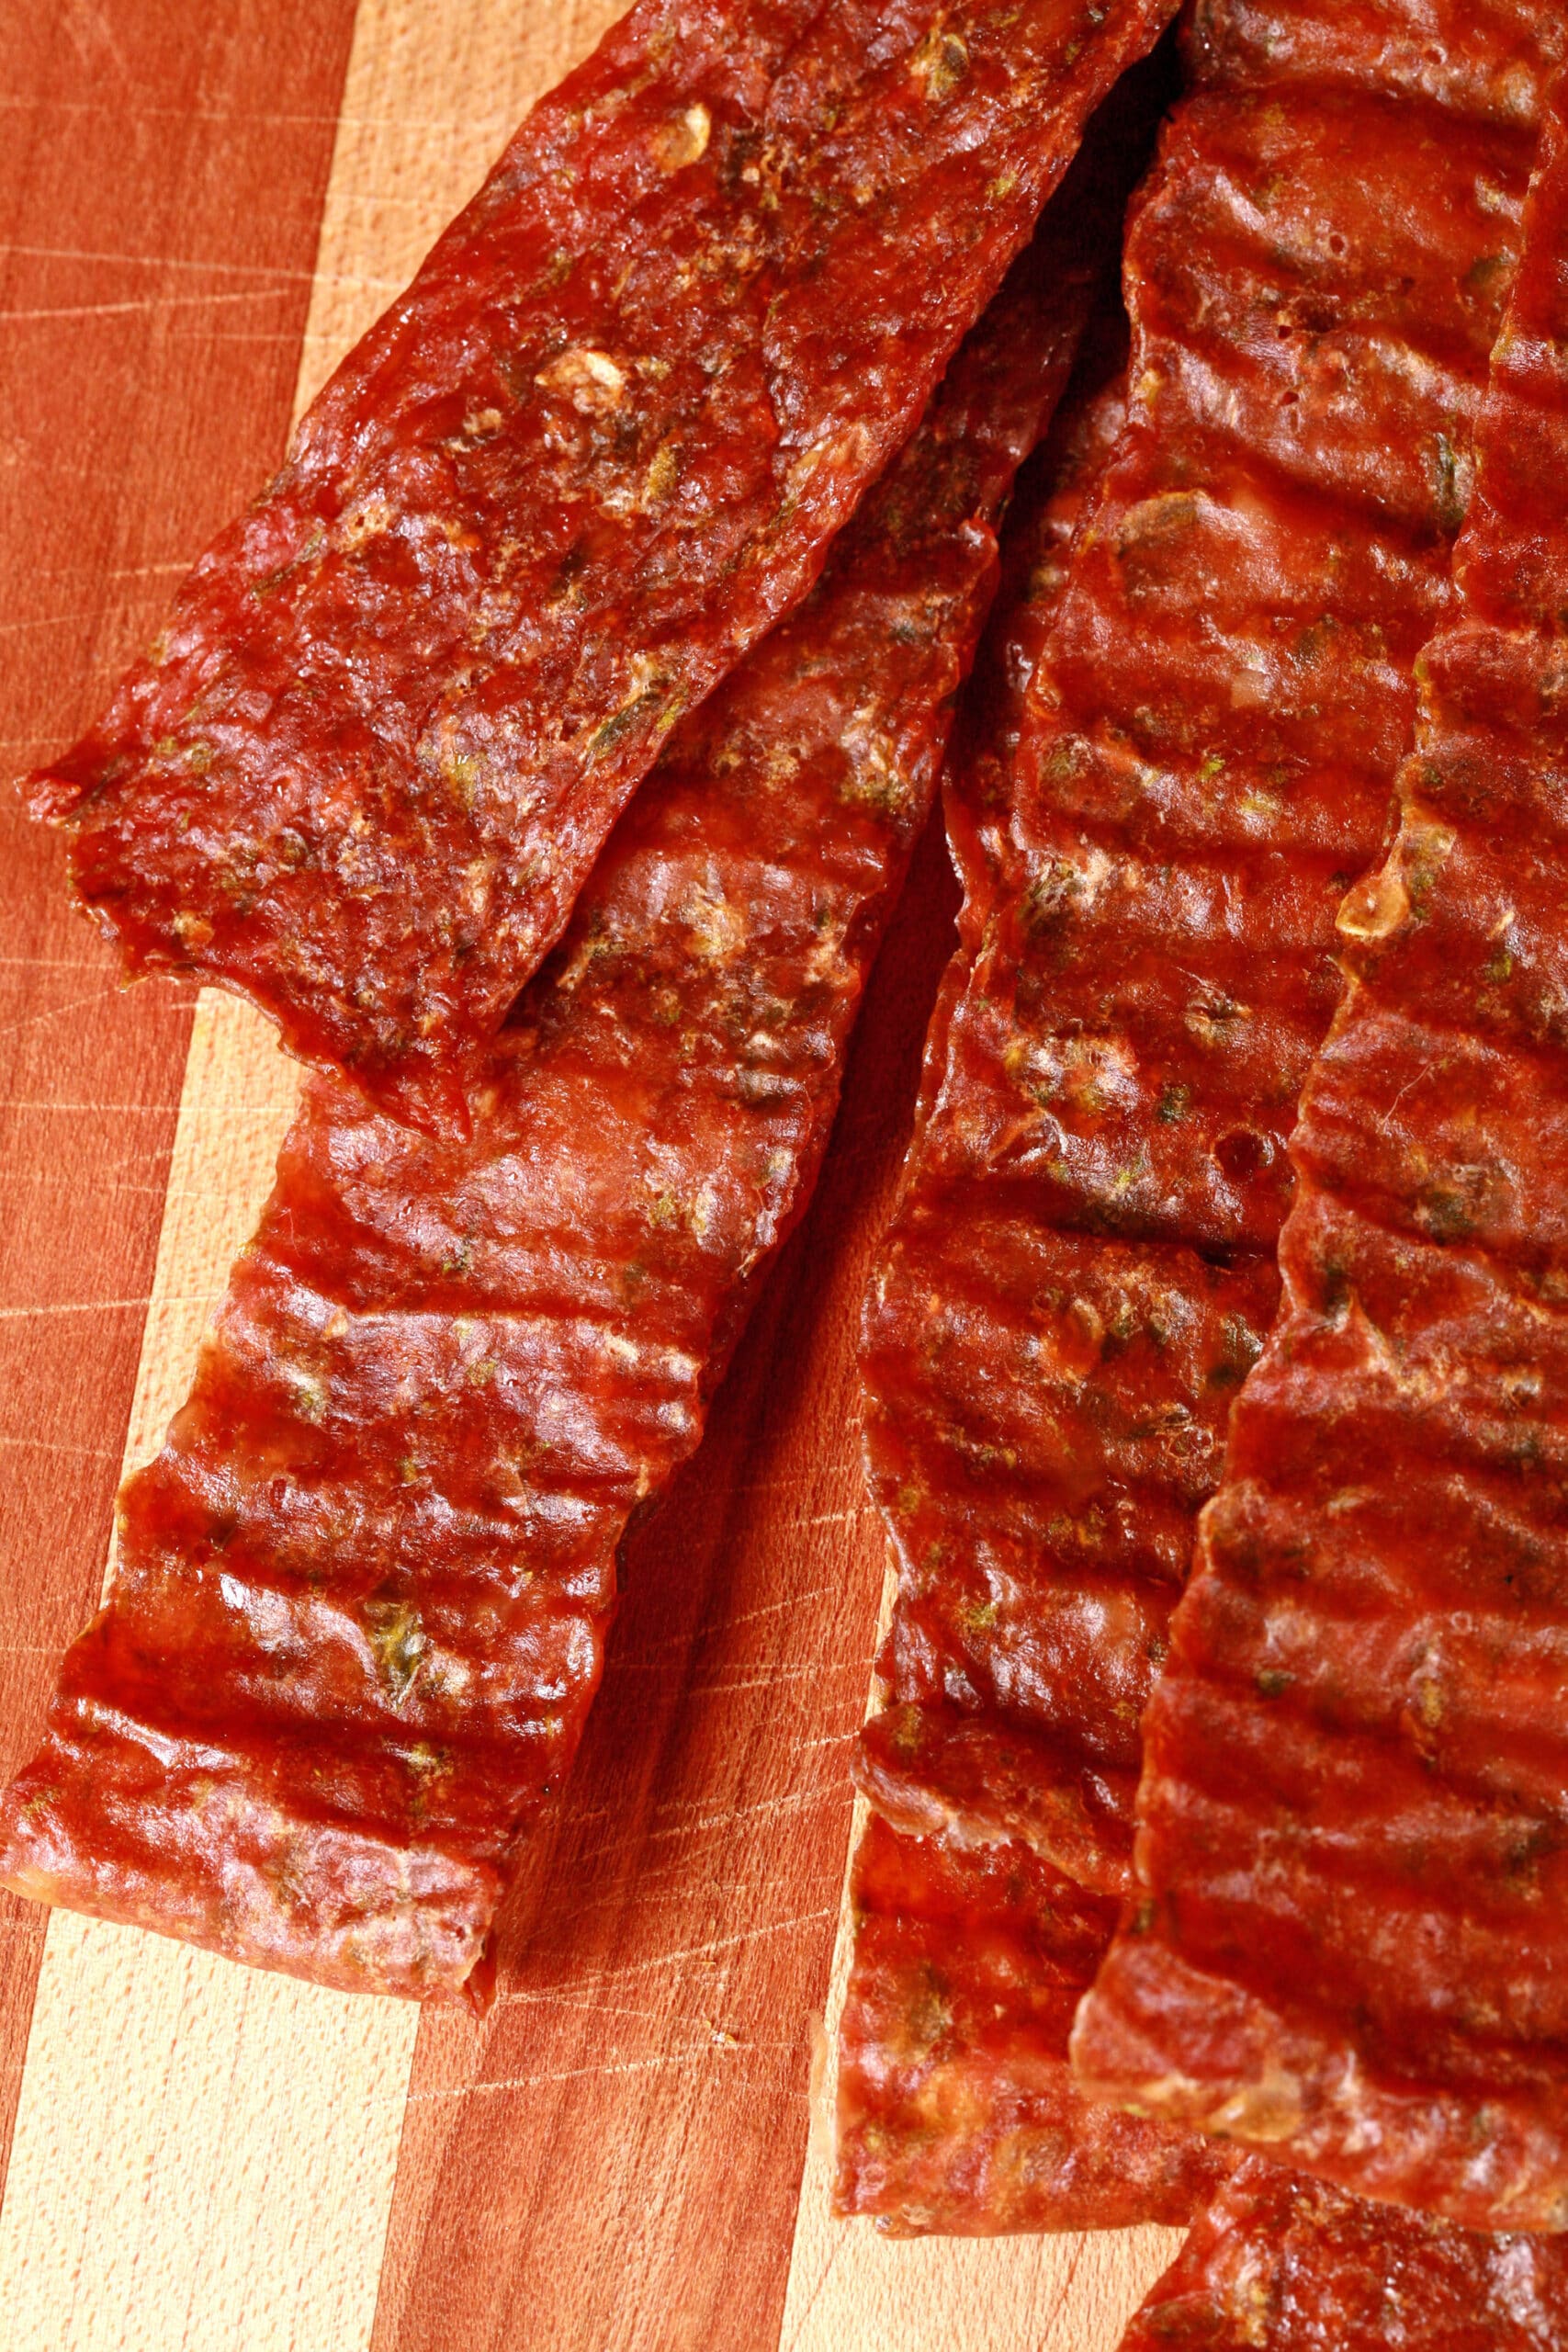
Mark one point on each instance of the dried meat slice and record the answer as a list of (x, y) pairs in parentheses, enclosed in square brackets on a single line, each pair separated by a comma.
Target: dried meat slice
[(1283, 2263), (956, 2107), (1174, 1330), (955, 2111), (594, 451), (1353, 1941), (1081, 1269), (362, 1594)]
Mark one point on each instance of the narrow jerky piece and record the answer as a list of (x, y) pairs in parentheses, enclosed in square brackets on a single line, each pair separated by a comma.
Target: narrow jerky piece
[(956, 2112), (1283, 2263), (956, 2105), (362, 1594), (1355, 1836), (591, 455), (1082, 1267)]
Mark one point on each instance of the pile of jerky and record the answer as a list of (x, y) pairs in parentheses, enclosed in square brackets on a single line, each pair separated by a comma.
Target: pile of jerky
[(1160, 451)]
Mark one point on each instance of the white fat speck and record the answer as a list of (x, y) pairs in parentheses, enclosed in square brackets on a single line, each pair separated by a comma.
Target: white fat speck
[(588, 379), (683, 140)]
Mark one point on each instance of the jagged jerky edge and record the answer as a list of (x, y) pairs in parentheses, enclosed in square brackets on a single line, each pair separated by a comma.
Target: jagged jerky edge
[(1354, 1846), (589, 456)]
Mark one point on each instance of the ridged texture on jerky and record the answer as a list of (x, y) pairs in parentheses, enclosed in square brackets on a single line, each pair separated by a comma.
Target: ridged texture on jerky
[(957, 2105), (594, 452), (362, 1594), (1081, 1270), (1475, 57), (1283, 2263), (955, 2109), (968, 2127), (1354, 1945)]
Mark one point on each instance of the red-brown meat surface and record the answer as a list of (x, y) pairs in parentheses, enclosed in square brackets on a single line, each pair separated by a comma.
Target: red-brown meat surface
[(1280, 2263), (955, 2109), (362, 1594), (957, 2105), (1200, 760), (1353, 1946), (594, 452)]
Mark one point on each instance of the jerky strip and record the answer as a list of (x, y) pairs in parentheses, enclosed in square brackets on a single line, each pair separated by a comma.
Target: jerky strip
[(1082, 1267), (957, 2105), (946, 1764), (585, 461), (1355, 1836), (363, 1592), (1282, 2264), (956, 2111)]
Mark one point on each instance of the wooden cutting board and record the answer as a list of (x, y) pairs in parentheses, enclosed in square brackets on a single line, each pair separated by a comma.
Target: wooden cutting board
[(628, 2155)]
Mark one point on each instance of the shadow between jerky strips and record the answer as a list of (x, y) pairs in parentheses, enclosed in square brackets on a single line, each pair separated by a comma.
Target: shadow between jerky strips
[(362, 1594), (1081, 1267), (596, 449), (1353, 1848)]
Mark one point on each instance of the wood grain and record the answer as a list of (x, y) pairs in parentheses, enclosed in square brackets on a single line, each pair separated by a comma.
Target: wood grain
[(161, 180), (615, 2158)]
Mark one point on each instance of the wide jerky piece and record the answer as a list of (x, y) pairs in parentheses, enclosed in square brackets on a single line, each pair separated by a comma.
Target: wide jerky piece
[(1081, 1269), (1353, 1946), (956, 2107), (1283, 2263), (362, 1594), (946, 1346), (591, 455)]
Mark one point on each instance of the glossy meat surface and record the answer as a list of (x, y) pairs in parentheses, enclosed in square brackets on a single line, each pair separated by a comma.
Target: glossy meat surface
[(1200, 759), (588, 457), (362, 1594), (1283, 2263), (955, 2112), (1472, 56), (1353, 1946), (956, 2107)]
